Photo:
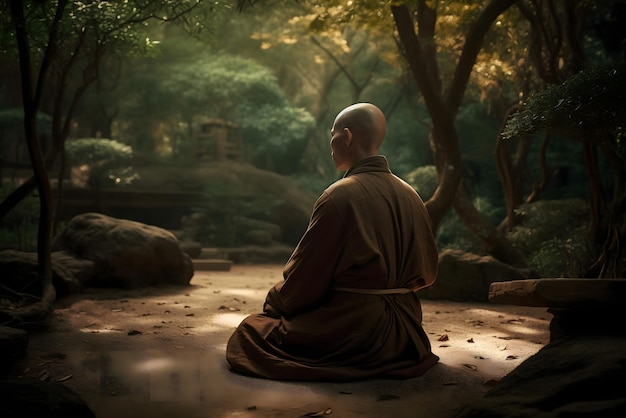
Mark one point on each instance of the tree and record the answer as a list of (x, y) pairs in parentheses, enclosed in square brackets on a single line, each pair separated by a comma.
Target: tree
[(324, 67), (223, 87), (59, 46), (589, 107)]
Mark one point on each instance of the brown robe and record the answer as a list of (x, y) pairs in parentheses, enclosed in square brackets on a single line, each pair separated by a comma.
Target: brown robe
[(369, 230)]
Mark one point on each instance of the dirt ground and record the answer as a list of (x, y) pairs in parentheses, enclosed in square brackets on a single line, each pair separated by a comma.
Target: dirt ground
[(159, 352)]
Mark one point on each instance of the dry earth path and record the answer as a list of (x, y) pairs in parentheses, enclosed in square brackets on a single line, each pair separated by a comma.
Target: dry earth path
[(159, 352)]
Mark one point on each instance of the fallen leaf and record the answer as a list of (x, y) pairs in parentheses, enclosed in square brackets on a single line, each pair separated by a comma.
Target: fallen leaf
[(471, 367), (511, 357), (444, 337), (444, 346), (471, 340), (62, 379)]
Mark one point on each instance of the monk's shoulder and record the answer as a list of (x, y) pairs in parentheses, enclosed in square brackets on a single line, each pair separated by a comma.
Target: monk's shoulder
[(344, 189)]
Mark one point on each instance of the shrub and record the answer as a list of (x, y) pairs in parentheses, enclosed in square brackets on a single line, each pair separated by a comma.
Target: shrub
[(552, 236)]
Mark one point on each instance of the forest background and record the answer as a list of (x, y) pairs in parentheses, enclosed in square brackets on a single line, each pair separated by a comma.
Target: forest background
[(505, 115)]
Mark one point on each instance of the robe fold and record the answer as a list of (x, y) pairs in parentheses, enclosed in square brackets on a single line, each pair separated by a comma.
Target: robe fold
[(368, 231)]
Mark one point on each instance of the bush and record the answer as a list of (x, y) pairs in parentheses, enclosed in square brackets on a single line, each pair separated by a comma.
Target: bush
[(424, 180), (552, 235), (108, 161)]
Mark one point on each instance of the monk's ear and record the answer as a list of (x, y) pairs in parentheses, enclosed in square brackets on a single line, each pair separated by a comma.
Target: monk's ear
[(349, 138)]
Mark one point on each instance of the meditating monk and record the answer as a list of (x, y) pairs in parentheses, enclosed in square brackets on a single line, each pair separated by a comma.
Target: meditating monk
[(347, 308)]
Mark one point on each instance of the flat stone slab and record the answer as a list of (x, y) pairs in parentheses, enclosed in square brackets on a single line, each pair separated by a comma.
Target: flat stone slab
[(560, 293), (211, 264), (210, 253)]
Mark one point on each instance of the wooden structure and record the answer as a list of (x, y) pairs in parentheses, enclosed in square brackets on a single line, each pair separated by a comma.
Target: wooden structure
[(218, 140)]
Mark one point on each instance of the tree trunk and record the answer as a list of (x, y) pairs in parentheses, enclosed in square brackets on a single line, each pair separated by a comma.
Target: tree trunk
[(31, 100), (444, 137)]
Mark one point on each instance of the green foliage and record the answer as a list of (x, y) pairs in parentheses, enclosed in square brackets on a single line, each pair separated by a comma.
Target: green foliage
[(454, 234), (105, 25), (13, 119), (589, 103), (224, 212), (233, 89), (19, 227), (272, 131), (552, 235), (109, 161), (406, 144), (312, 182), (424, 180)]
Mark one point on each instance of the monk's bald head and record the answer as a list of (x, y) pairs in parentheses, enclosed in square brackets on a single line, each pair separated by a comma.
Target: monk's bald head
[(368, 124)]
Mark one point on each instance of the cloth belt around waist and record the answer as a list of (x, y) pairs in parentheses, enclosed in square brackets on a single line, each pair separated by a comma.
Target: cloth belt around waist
[(396, 291)]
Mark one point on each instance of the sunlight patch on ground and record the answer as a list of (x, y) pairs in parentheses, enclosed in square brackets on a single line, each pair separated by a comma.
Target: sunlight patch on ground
[(99, 330), (246, 293), (153, 364), (230, 319)]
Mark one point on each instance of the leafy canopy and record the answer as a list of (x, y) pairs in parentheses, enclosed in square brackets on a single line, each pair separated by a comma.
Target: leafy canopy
[(585, 105)]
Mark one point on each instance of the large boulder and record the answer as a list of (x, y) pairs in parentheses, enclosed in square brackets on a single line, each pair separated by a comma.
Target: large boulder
[(125, 253), (578, 376), (32, 398), (463, 276), (19, 272)]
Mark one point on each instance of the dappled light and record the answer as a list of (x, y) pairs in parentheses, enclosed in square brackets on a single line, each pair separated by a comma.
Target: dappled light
[(228, 320), (168, 345)]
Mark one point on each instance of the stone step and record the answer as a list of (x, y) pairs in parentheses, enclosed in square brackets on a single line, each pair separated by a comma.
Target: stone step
[(211, 264), (210, 253), (560, 293)]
